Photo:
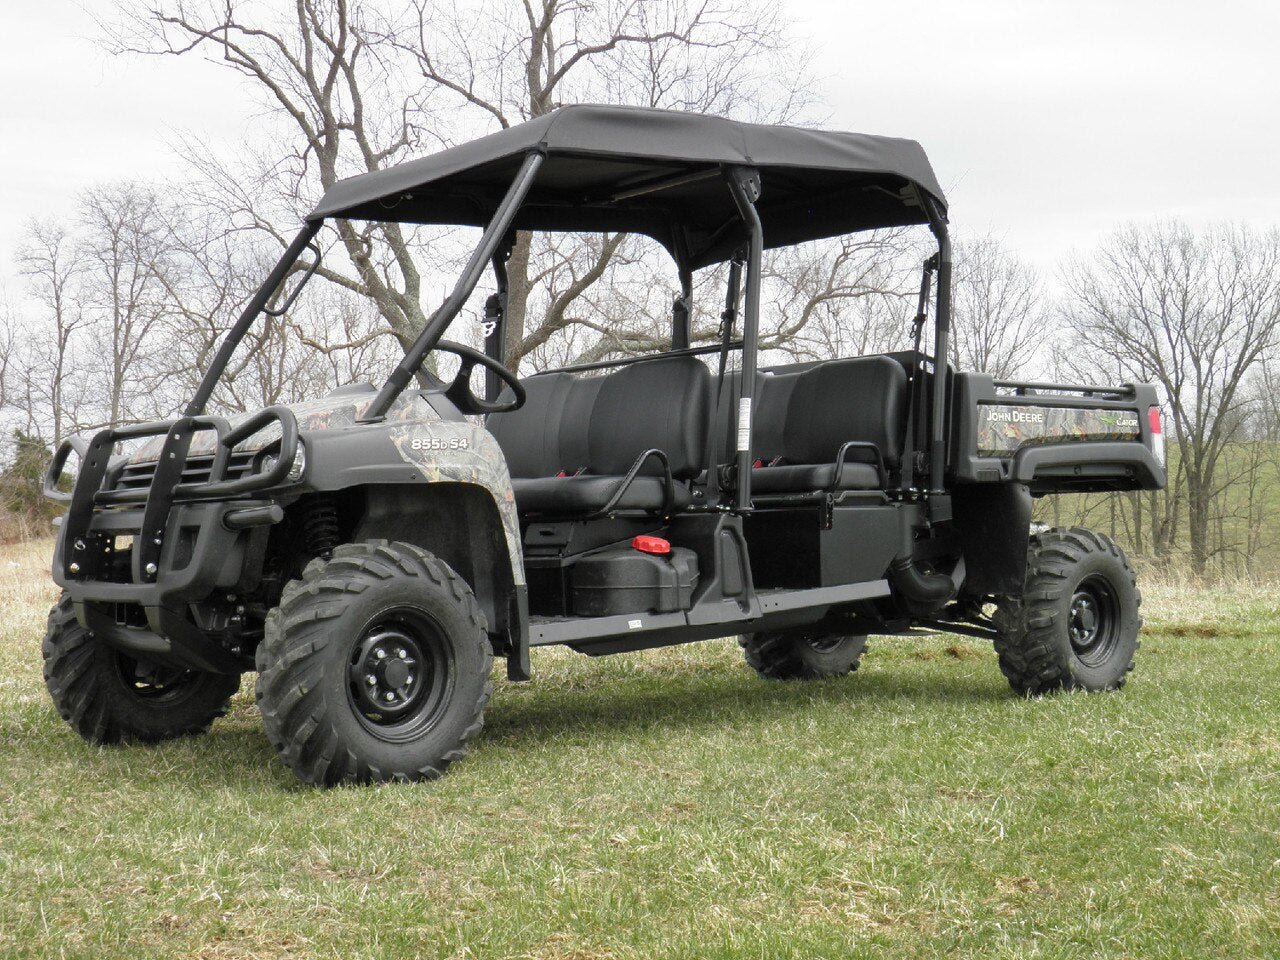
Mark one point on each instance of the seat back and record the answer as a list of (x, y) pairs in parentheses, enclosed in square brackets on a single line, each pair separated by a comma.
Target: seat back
[(861, 399), (660, 404), (530, 437), (773, 392), (601, 424), (805, 412)]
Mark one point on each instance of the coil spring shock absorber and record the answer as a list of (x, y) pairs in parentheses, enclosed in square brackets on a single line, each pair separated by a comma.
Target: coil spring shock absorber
[(320, 525)]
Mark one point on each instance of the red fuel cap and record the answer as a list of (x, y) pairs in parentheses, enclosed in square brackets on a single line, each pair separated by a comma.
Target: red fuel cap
[(647, 544)]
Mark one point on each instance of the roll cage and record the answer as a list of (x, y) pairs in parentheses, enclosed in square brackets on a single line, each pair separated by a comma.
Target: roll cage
[(700, 185)]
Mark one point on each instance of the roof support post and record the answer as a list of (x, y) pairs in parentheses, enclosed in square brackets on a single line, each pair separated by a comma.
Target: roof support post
[(744, 184), (915, 396), (261, 297), (682, 313), (436, 324), (941, 350), (495, 320)]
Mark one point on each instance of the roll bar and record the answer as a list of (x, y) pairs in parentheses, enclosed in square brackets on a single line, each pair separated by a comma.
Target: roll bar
[(256, 305), (439, 321), (941, 348), (744, 184)]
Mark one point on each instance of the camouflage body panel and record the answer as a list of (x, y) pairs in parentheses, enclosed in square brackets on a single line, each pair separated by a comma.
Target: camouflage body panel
[(451, 451), (323, 414), (1005, 428), (443, 451)]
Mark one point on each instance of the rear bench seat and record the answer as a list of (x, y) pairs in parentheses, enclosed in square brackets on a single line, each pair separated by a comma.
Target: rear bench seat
[(806, 413), (861, 400), (571, 445)]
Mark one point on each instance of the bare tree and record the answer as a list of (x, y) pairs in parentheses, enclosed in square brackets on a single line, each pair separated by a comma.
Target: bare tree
[(54, 268), (123, 245), (843, 297), (341, 108), (8, 347), (505, 62), (333, 72), (1000, 322), (1194, 312)]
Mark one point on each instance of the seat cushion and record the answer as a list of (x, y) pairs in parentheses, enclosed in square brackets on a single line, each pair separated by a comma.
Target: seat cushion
[(804, 477), (586, 494)]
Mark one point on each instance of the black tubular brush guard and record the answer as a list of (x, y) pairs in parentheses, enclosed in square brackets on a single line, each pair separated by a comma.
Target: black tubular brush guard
[(166, 489)]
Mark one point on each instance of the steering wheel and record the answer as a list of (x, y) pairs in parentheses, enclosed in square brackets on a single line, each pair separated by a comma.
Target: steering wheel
[(459, 391)]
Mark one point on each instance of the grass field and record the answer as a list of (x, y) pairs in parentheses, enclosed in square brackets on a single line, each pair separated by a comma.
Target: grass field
[(670, 804)]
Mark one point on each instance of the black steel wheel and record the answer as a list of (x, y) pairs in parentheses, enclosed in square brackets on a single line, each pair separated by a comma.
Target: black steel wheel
[(1094, 620), (400, 674), (108, 696), (1076, 624), (374, 667), (802, 654)]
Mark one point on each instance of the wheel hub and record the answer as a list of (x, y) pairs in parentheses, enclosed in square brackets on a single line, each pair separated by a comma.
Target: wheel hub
[(389, 674), (1084, 618), (1093, 621)]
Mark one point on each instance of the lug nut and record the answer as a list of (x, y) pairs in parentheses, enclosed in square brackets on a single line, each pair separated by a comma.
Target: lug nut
[(402, 653), (380, 653), (389, 696), (74, 568), (152, 568), (370, 679)]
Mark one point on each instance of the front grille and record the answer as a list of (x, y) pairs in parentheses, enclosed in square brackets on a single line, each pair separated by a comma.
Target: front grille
[(138, 476)]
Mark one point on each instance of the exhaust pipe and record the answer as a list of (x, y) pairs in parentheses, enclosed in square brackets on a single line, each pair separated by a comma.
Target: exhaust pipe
[(930, 590)]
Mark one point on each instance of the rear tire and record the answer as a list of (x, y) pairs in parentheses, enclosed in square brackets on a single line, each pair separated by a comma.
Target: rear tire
[(109, 697), (802, 655), (1076, 625), (374, 667)]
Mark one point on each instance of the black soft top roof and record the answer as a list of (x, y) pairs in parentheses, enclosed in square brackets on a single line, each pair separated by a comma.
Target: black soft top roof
[(637, 170)]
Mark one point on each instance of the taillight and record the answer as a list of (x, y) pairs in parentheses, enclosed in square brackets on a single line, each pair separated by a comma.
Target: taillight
[(1157, 434)]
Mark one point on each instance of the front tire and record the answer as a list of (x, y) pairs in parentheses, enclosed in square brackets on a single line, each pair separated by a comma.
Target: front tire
[(802, 655), (374, 667), (108, 697), (1076, 625)]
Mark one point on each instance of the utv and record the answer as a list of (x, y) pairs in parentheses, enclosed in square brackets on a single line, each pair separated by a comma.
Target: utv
[(371, 552)]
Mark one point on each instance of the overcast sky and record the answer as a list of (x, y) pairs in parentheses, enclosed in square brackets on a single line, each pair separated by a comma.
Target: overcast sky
[(1048, 122)]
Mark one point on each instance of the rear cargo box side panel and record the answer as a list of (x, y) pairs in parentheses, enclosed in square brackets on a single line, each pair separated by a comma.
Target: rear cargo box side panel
[(1056, 439), (1005, 428)]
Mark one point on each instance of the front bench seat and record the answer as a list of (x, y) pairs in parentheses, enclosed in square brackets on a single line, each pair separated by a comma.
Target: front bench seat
[(862, 399), (602, 424)]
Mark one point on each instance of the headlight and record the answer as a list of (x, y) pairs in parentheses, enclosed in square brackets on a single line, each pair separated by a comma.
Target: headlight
[(299, 465), (296, 469)]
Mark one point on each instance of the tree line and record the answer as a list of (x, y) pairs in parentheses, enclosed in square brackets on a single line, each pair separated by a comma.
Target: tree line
[(121, 304)]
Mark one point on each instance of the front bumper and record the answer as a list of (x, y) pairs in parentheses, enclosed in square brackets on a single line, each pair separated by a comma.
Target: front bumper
[(199, 556), (182, 542)]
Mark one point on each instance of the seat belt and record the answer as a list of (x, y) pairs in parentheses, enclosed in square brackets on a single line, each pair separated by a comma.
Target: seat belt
[(727, 318)]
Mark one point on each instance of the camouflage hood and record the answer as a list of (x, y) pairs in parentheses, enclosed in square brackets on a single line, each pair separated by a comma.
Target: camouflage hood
[(326, 413)]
